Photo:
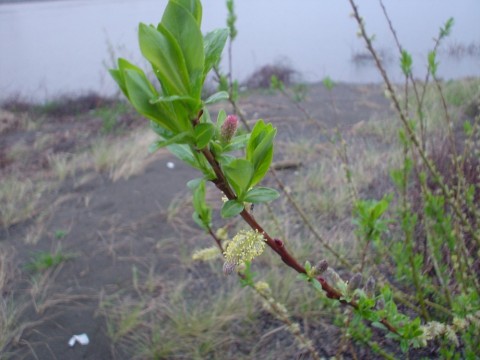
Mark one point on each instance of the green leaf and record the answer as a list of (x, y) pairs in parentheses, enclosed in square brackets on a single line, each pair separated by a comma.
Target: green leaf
[(261, 195), (258, 133), (203, 134), (192, 158), (199, 197), (276, 83), (118, 74), (219, 96), (238, 142), (184, 153), (328, 83), (308, 266), (216, 149), (303, 277), (214, 43), (262, 157), (203, 211), (139, 92), (467, 128), (182, 138), (172, 98), (231, 208), (194, 183), (161, 49), (199, 221), (379, 325), (447, 28), (225, 159), (160, 130), (432, 63), (194, 7), (316, 284), (182, 25), (222, 115), (239, 173), (406, 63), (206, 117), (260, 149)]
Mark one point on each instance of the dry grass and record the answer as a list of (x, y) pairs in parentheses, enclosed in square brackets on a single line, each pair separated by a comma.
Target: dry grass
[(61, 165), (125, 157), (194, 319), (19, 199), (11, 308)]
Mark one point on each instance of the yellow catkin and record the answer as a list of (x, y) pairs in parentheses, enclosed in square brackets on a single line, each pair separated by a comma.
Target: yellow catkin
[(245, 246)]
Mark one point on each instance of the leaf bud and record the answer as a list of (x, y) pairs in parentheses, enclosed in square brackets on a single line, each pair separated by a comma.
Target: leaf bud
[(278, 242)]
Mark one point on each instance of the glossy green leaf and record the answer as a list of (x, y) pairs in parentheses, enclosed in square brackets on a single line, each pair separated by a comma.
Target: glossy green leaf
[(202, 210), (406, 63), (118, 74), (308, 266), (260, 149), (181, 24), (184, 153), (231, 208), (214, 43), (216, 149), (199, 197), (203, 134), (239, 174), (225, 159), (173, 98), (194, 7), (316, 285), (222, 115), (204, 166), (261, 195), (161, 49), (160, 130), (206, 118), (199, 221), (262, 157), (219, 96), (194, 183), (432, 63), (258, 133), (238, 142), (139, 92), (182, 138)]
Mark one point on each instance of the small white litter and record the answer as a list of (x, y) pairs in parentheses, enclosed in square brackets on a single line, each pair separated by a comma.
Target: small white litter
[(170, 165), (82, 339)]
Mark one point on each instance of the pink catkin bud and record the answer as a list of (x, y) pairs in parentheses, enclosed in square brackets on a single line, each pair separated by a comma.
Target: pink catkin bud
[(229, 128)]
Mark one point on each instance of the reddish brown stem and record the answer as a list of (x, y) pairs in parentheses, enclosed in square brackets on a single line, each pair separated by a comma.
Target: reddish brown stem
[(222, 184), (276, 245), (217, 240)]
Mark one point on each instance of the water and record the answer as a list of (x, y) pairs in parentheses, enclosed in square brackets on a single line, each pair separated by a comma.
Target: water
[(55, 47)]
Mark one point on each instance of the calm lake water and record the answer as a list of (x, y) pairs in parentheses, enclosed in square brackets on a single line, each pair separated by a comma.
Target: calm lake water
[(55, 47)]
